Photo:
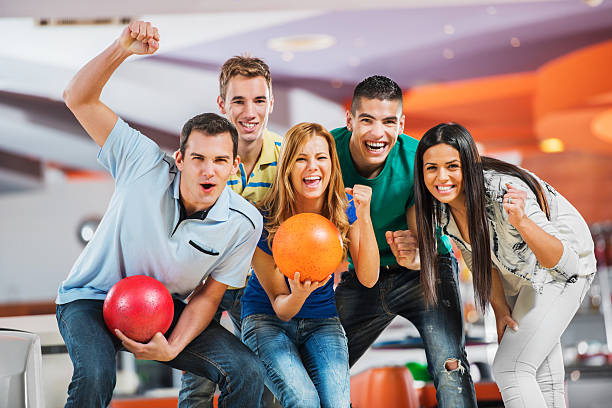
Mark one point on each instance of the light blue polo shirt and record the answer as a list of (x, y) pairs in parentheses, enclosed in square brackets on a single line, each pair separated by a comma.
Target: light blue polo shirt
[(138, 234)]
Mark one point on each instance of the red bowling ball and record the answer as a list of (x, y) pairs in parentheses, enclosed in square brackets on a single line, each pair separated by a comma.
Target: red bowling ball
[(139, 306)]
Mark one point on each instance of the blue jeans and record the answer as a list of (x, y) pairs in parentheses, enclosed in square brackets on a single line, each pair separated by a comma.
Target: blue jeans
[(306, 359), (215, 353), (366, 312), (196, 391)]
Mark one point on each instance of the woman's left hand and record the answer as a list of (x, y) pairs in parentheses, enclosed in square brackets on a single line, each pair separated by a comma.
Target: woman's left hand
[(514, 205)]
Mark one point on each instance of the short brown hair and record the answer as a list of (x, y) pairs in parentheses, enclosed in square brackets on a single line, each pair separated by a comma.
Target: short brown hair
[(211, 124), (244, 65)]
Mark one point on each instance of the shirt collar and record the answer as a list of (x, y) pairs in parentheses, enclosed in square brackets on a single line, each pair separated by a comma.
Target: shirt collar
[(268, 152), (220, 209), (449, 227), (177, 185)]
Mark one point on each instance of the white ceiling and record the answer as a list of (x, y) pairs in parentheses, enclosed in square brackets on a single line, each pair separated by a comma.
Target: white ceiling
[(38, 61)]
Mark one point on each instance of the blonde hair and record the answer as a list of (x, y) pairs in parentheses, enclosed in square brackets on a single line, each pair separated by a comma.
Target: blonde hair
[(279, 203), (244, 65)]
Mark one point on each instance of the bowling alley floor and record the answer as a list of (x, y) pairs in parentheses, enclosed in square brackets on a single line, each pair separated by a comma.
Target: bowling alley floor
[(588, 380)]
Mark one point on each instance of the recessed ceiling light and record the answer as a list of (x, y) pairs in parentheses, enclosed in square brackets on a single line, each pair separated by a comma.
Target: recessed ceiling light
[(359, 42), (305, 42), (601, 125), (336, 83), (552, 145), (287, 56), (593, 3), (515, 42), (491, 10), (449, 29), (448, 53)]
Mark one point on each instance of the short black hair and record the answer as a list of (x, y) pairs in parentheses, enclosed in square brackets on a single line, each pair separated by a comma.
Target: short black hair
[(376, 87), (211, 124)]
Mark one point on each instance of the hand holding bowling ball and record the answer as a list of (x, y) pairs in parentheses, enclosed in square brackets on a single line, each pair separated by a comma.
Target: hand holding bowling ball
[(307, 243), (139, 306), (305, 288)]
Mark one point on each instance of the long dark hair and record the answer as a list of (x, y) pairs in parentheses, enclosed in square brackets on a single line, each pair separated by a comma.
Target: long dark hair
[(429, 210)]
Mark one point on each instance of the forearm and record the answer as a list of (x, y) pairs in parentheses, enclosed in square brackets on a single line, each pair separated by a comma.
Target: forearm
[(82, 95), (86, 86), (287, 305), (195, 318), (547, 248), (498, 297), (367, 264)]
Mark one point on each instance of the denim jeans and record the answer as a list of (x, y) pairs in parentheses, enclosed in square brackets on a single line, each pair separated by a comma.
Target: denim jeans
[(306, 359), (366, 312), (528, 366), (215, 353), (196, 391)]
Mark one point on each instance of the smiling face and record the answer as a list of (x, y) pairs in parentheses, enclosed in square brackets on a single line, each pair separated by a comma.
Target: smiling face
[(247, 104), (442, 173), (376, 125), (205, 168), (311, 171)]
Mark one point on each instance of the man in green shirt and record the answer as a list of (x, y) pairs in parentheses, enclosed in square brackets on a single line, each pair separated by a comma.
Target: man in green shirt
[(373, 152)]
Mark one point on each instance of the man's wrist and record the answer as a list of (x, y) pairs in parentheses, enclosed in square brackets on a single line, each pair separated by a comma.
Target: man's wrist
[(119, 49)]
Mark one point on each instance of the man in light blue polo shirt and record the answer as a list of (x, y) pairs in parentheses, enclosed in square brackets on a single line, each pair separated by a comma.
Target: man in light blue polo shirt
[(170, 219)]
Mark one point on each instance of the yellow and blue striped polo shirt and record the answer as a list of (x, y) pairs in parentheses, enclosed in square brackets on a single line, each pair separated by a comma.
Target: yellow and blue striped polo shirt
[(255, 187)]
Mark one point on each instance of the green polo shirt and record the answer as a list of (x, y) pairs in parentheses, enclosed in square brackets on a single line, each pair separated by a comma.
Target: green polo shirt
[(392, 189)]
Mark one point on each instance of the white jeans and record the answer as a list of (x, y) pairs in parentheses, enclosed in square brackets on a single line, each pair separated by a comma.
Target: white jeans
[(528, 365)]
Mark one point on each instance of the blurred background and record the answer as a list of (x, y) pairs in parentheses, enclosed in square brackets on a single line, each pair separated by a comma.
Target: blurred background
[(530, 79)]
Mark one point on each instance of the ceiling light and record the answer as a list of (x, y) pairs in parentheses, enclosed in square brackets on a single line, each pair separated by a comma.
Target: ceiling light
[(43, 22), (359, 42), (449, 29), (448, 53), (336, 83), (491, 10), (515, 42), (552, 145), (593, 3), (305, 42), (601, 125), (287, 56)]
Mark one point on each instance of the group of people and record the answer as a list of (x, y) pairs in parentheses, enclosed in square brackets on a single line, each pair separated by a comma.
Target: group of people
[(203, 221)]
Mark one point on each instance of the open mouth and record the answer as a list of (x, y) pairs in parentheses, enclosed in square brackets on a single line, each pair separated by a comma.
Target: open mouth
[(375, 147), (445, 189), (312, 181), (248, 125), (207, 187)]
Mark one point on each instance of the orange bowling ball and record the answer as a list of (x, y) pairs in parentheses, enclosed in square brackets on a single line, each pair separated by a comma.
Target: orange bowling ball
[(307, 243)]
